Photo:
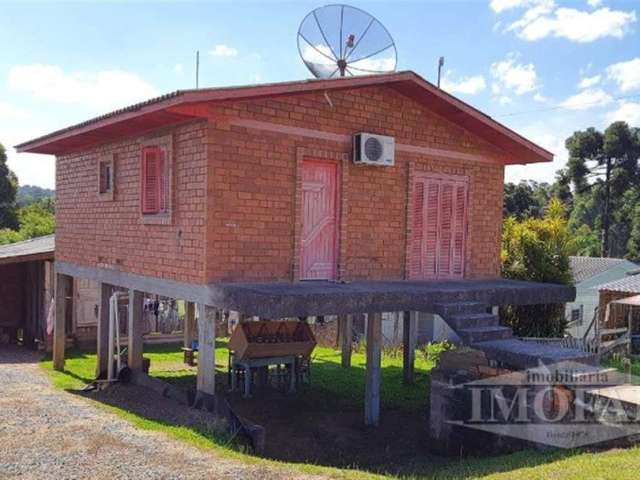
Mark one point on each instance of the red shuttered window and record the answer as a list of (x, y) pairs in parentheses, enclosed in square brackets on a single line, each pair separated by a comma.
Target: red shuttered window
[(155, 177), (437, 242), (416, 253)]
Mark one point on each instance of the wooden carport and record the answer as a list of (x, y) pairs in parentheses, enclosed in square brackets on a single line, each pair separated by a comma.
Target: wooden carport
[(26, 289)]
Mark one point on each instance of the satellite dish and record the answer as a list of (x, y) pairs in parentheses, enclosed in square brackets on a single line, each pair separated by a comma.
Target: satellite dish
[(339, 40)]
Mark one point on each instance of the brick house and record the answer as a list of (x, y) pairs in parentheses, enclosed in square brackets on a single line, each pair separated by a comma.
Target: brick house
[(227, 197)]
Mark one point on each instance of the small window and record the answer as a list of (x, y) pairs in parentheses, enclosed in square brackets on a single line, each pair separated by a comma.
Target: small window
[(155, 181), (105, 178), (576, 316)]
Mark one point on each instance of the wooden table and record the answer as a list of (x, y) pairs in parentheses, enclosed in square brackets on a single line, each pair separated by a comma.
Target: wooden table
[(251, 364)]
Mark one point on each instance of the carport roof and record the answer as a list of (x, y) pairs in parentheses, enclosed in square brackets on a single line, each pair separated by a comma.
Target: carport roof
[(41, 248), (629, 284)]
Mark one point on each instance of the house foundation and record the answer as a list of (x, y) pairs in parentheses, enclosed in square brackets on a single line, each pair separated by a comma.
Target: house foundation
[(277, 300)]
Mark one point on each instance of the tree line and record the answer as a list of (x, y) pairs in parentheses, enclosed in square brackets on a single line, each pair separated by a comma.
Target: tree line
[(592, 208), (26, 212), (599, 188)]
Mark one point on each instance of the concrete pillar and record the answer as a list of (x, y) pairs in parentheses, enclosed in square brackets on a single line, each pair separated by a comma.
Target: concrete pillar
[(409, 334), (206, 351), (346, 337), (102, 333), (64, 285), (189, 324), (136, 327), (373, 372)]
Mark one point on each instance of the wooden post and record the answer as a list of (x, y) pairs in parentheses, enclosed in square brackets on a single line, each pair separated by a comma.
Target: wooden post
[(136, 324), (189, 324), (63, 288), (373, 373), (346, 323), (341, 321), (409, 333), (206, 351), (102, 333)]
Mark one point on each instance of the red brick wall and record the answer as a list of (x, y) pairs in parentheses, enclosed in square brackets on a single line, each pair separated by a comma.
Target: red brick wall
[(252, 234), (111, 234), (235, 218)]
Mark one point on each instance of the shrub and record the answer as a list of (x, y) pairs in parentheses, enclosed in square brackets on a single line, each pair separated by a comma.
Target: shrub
[(433, 350), (537, 249)]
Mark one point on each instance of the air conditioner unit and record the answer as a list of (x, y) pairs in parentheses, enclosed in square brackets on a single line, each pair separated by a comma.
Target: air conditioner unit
[(370, 149)]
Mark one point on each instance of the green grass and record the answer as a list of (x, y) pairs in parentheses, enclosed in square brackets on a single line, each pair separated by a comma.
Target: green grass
[(617, 362), (336, 387)]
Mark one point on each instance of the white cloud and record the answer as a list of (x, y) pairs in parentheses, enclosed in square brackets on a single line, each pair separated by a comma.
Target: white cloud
[(539, 98), (502, 5), (321, 61), (594, 3), (586, 99), (626, 111), (9, 112), (178, 69), (504, 100), (375, 64), (31, 169), (511, 75), (222, 50), (108, 89), (588, 82), (543, 18), (549, 139), (467, 85), (626, 74)]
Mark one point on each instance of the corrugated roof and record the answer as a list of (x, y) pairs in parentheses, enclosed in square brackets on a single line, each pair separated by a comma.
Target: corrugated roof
[(175, 107), (584, 268), (23, 251), (630, 284)]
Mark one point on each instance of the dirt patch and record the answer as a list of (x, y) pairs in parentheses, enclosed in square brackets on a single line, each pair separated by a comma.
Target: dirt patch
[(298, 430)]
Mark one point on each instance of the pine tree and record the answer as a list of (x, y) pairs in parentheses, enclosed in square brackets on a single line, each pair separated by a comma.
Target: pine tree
[(8, 189)]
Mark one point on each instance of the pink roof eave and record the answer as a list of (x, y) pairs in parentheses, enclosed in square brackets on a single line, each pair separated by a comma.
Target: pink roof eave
[(182, 105)]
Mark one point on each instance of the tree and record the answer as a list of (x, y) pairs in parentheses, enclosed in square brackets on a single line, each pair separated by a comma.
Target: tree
[(525, 199), (561, 189), (537, 249), (633, 244), (8, 188), (36, 220), (610, 159)]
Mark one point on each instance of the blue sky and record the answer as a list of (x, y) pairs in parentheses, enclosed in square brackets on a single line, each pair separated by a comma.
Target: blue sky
[(542, 67)]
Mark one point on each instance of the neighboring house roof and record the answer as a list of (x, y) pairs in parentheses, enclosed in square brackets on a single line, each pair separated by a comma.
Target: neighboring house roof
[(584, 268), (41, 248), (183, 105), (630, 284)]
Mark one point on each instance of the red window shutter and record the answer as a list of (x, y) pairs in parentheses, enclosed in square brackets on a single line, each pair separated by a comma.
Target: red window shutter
[(417, 231), (445, 229), (460, 229), (163, 182), (150, 180), (432, 208)]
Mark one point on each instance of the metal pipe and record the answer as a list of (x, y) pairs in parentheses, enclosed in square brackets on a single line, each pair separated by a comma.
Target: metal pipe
[(440, 65)]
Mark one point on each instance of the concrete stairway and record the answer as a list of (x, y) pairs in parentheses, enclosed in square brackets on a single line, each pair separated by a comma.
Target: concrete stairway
[(482, 330)]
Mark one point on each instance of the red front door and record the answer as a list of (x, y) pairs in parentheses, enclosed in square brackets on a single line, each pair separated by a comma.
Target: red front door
[(319, 220), (438, 234)]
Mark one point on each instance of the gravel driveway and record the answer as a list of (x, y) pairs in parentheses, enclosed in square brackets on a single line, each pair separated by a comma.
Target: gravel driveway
[(49, 434)]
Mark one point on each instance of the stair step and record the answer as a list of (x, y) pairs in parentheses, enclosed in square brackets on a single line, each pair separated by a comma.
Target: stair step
[(472, 320), (518, 354), (484, 334), (455, 308)]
